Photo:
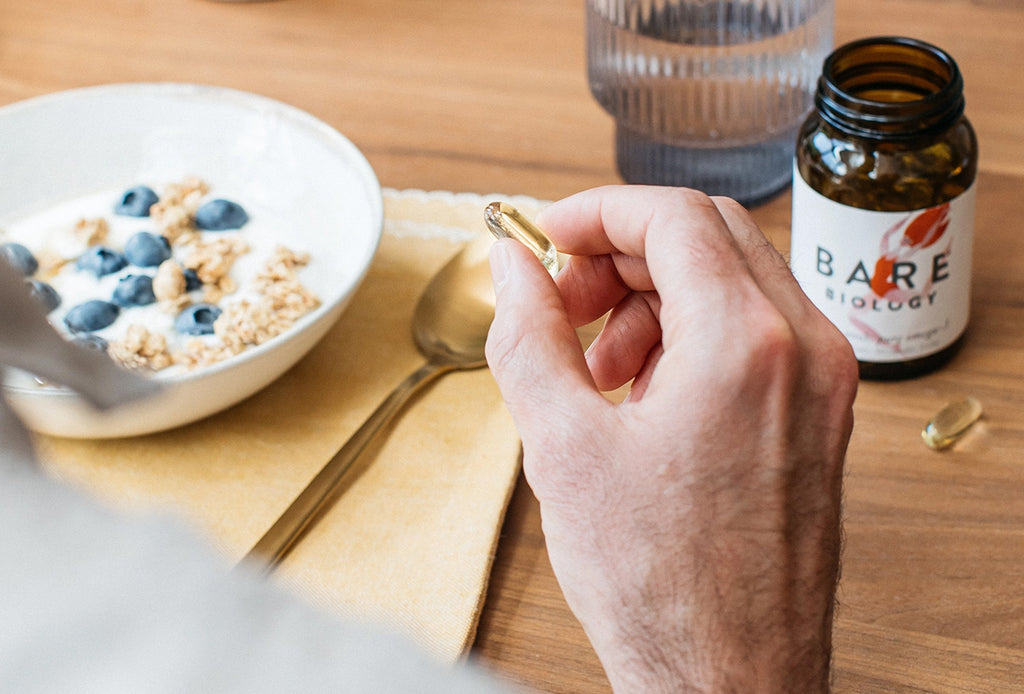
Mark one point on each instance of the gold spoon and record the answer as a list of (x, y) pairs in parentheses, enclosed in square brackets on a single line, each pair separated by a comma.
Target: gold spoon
[(449, 325)]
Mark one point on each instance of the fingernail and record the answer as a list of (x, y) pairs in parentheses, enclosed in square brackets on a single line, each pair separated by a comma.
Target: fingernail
[(500, 260)]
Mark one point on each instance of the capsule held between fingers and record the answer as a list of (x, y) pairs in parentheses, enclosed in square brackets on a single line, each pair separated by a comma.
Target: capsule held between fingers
[(505, 221)]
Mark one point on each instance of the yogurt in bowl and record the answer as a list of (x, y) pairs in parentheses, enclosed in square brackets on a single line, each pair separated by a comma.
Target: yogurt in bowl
[(313, 219), (174, 289)]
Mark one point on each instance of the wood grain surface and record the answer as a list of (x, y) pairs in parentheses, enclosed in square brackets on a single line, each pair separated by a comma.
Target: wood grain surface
[(490, 96)]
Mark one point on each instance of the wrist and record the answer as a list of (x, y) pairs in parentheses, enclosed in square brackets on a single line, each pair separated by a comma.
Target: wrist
[(720, 673), (709, 661)]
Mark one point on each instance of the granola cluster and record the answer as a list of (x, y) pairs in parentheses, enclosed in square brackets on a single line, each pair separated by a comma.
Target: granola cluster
[(247, 323), (91, 231), (141, 348), (212, 261), (174, 214)]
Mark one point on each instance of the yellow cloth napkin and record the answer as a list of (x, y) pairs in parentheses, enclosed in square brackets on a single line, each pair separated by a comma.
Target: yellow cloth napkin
[(409, 541)]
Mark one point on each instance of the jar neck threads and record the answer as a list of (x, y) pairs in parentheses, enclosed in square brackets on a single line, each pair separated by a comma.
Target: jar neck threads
[(890, 89)]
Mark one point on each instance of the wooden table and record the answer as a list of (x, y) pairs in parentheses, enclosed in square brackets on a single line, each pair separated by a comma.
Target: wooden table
[(490, 96)]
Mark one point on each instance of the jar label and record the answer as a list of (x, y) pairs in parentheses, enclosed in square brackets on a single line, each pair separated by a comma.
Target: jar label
[(897, 284)]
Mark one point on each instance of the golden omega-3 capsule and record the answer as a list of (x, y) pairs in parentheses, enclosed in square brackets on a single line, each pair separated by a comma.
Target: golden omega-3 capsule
[(951, 422), (505, 221)]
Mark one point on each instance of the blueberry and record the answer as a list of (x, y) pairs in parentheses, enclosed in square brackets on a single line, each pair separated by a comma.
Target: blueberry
[(147, 250), (136, 202), (91, 342), (197, 319), (44, 294), (218, 215), (192, 280), (101, 261), (92, 315), (20, 258), (134, 290)]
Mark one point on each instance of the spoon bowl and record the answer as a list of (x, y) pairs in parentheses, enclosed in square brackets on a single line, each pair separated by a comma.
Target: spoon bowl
[(455, 311)]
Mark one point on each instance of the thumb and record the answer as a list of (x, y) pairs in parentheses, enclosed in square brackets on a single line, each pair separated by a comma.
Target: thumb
[(532, 348)]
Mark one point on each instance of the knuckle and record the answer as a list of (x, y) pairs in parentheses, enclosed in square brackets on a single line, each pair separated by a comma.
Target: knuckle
[(840, 367), (729, 205), (773, 341), (834, 361), (672, 200)]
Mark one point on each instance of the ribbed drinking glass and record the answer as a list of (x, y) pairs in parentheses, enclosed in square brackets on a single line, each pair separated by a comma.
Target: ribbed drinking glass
[(707, 94)]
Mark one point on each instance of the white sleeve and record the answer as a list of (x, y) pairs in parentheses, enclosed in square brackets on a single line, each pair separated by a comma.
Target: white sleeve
[(92, 600)]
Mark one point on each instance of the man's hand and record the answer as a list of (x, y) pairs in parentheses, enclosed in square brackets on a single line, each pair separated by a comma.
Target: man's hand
[(695, 527)]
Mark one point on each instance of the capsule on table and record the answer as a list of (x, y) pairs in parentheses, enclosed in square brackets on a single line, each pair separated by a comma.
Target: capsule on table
[(951, 422)]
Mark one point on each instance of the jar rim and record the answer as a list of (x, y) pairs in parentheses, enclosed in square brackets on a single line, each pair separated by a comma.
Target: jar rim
[(926, 79)]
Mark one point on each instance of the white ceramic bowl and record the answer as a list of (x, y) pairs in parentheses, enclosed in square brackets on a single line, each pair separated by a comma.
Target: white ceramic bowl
[(249, 148)]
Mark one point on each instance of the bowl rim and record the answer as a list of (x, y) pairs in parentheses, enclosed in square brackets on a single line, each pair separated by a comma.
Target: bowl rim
[(294, 116)]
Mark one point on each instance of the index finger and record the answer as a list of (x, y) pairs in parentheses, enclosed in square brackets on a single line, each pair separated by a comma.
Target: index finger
[(687, 247)]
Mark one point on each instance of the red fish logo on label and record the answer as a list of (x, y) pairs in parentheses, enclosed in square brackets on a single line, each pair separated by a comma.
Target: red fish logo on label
[(923, 231), (903, 275)]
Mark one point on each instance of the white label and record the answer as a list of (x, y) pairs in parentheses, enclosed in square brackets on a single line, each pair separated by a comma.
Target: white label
[(897, 284)]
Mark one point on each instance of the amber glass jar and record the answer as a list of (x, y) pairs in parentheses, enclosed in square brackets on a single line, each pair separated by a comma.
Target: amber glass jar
[(883, 204)]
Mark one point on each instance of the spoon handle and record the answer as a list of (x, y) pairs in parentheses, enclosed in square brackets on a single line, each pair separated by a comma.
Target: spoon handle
[(282, 535)]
